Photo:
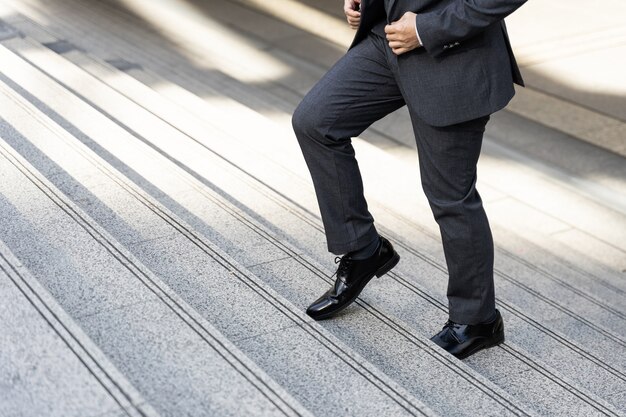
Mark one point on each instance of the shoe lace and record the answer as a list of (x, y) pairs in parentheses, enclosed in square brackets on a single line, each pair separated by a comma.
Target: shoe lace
[(449, 329), (344, 263), (450, 325)]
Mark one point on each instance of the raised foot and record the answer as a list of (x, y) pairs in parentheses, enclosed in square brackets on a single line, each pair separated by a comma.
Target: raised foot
[(352, 276)]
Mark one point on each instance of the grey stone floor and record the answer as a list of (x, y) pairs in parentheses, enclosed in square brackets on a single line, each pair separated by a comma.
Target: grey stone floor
[(161, 238)]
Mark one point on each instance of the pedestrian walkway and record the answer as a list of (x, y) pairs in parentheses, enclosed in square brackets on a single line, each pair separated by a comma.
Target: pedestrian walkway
[(162, 237)]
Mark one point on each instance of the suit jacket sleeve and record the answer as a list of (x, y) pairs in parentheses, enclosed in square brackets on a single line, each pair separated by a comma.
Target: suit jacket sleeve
[(441, 30)]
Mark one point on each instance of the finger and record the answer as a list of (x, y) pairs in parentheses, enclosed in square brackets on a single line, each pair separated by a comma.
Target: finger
[(395, 45), (352, 13), (392, 28), (353, 21), (392, 37), (352, 5)]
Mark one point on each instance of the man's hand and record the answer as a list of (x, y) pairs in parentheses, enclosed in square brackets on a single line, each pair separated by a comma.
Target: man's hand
[(352, 14), (401, 34)]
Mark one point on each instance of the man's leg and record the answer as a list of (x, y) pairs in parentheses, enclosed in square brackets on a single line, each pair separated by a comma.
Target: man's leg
[(358, 90), (447, 159)]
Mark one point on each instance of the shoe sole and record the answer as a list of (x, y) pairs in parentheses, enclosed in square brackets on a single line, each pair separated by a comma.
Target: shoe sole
[(388, 266), (498, 340)]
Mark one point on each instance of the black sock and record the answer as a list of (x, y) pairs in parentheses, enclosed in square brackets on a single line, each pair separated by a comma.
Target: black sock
[(366, 251)]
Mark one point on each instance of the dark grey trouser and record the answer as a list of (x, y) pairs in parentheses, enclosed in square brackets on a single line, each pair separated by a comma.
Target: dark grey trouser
[(358, 90)]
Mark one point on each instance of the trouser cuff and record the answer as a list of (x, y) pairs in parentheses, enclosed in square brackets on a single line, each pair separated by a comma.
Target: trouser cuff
[(340, 248), (464, 318)]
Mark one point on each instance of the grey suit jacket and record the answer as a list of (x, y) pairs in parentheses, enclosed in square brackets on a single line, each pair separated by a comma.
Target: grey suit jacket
[(466, 68)]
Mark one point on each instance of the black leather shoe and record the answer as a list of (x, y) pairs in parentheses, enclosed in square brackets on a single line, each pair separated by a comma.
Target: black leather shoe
[(463, 340), (352, 276)]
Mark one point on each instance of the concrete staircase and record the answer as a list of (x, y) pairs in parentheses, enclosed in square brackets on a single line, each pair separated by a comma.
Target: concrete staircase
[(181, 252)]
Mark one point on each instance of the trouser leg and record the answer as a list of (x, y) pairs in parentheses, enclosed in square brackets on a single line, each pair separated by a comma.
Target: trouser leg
[(358, 90), (448, 157)]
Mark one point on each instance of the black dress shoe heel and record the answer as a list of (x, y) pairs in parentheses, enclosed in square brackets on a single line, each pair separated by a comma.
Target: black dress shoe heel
[(497, 339), (389, 265), (498, 332)]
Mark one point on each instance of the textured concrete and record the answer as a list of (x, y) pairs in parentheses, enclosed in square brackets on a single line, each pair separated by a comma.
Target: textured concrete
[(598, 250), (589, 372), (39, 374), (38, 234), (211, 289), (541, 396), (570, 118), (132, 336), (72, 336), (599, 285), (578, 301), (171, 365), (286, 360), (7, 31)]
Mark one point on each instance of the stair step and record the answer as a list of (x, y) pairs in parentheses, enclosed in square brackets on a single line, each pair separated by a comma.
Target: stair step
[(48, 365), (167, 351), (518, 352)]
